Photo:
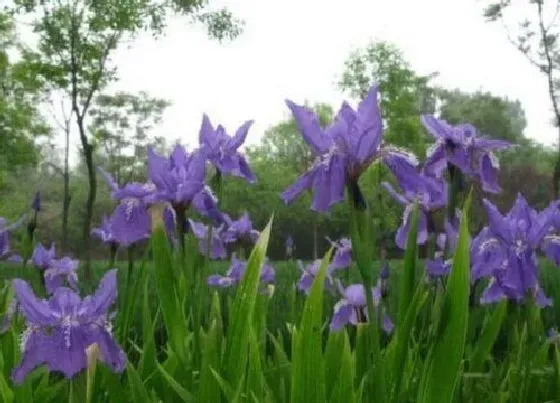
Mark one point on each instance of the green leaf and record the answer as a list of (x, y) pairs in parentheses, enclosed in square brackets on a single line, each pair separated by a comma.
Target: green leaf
[(343, 390), (176, 386), (5, 392), (485, 342), (165, 284), (307, 360), (209, 390), (335, 344), (136, 386), (241, 315), (408, 277), (443, 364), (408, 303)]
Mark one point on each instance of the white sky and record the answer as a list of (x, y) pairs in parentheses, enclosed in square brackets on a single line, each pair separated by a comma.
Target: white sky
[(296, 49)]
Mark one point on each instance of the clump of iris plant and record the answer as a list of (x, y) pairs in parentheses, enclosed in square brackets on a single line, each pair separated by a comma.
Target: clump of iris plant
[(61, 329), (509, 248)]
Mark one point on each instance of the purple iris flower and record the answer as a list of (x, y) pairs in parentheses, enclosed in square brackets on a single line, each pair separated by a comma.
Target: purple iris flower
[(439, 266), (429, 193), (43, 257), (462, 147), (222, 150), (351, 309), (200, 231), (60, 329), (512, 241), (241, 229), (5, 246), (309, 273), (445, 241), (179, 179), (236, 272), (60, 270), (130, 222), (104, 232), (342, 257), (343, 150)]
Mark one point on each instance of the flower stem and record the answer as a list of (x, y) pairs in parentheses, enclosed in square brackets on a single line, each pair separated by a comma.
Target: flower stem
[(362, 251), (456, 180), (180, 212)]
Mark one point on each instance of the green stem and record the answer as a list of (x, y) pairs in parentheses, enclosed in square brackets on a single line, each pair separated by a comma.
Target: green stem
[(181, 215), (112, 254), (362, 250), (456, 180), (130, 267)]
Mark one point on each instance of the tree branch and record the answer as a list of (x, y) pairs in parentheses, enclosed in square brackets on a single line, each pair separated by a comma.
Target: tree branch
[(95, 84), (549, 69)]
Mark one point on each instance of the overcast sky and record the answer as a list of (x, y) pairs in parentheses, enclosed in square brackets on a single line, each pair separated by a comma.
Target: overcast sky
[(296, 49)]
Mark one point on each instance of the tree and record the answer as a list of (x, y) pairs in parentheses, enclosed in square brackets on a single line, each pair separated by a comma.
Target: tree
[(536, 37), (76, 39), (20, 121), (121, 125)]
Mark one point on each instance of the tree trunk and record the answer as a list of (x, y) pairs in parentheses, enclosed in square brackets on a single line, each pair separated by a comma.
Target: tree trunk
[(556, 177), (549, 70), (65, 211), (92, 193), (66, 195)]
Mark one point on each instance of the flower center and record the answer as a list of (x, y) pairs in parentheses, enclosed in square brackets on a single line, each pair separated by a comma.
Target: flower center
[(130, 205)]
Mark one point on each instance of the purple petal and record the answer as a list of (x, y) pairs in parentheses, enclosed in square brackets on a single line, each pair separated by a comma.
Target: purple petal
[(240, 135), (341, 316), (489, 173), (302, 184), (309, 127), (35, 310), (493, 293)]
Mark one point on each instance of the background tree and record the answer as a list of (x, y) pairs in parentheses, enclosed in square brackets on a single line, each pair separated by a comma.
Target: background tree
[(20, 121), (121, 125), (536, 37)]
